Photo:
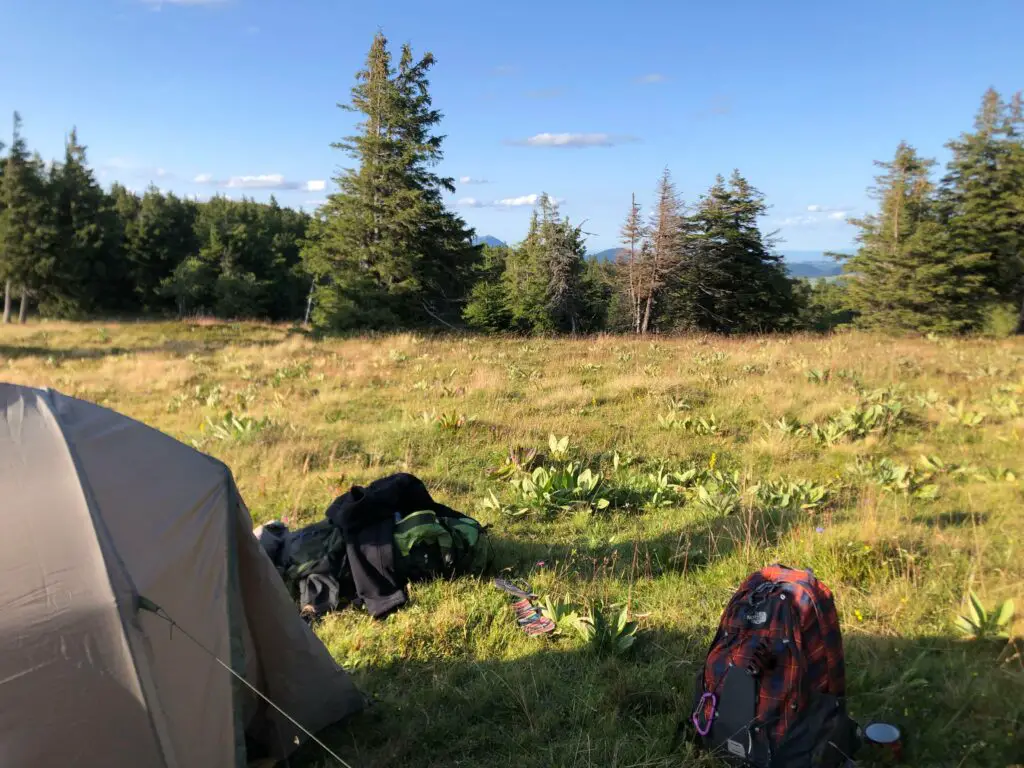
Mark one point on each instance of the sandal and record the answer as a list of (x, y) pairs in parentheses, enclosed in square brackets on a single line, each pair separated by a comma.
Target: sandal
[(528, 615)]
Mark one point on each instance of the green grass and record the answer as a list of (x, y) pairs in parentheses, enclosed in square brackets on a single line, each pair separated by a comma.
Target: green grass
[(900, 542)]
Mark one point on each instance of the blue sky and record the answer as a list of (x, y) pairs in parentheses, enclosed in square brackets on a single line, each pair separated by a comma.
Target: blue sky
[(586, 101)]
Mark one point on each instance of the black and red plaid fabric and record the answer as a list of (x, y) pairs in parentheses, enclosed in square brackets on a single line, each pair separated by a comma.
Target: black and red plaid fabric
[(794, 648)]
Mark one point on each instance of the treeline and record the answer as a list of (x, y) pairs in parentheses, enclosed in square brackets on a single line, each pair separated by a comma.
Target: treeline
[(384, 251), (947, 257), (77, 250), (707, 268)]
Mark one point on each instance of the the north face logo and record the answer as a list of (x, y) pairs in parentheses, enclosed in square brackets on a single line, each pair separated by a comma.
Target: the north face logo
[(759, 617), (735, 748)]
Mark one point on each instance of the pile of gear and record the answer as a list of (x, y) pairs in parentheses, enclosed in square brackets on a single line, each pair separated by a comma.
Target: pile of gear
[(373, 541)]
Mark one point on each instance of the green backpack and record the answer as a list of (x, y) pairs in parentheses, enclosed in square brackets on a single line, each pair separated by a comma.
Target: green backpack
[(430, 546)]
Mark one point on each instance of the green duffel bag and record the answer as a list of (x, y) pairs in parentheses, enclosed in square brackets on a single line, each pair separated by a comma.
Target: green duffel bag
[(432, 545)]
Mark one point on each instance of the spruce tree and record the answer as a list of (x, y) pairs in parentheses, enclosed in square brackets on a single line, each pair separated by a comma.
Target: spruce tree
[(25, 224), (488, 306), (730, 279), (980, 201), (158, 241), (89, 273), (629, 263), (385, 252), (662, 258), (909, 273)]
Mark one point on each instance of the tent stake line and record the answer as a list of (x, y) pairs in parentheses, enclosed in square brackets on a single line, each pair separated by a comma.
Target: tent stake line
[(144, 603)]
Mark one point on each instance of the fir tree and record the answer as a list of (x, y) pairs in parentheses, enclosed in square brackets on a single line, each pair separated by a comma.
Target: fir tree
[(89, 274), (488, 306), (629, 263), (26, 235), (385, 251), (909, 273), (664, 253), (981, 203)]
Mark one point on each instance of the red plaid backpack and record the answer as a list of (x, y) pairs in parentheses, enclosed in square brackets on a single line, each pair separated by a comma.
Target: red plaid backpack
[(771, 693)]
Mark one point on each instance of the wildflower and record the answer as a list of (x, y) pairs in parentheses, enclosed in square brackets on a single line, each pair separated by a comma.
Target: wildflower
[(713, 460)]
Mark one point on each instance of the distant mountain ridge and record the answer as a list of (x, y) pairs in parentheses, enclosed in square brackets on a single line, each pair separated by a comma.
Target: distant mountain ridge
[(807, 264), (488, 240), (810, 264)]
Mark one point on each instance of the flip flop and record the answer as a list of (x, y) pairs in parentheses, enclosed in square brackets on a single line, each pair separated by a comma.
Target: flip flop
[(529, 616), (539, 626), (507, 586)]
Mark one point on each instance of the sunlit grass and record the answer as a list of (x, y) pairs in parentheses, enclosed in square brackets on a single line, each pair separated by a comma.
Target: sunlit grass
[(456, 682)]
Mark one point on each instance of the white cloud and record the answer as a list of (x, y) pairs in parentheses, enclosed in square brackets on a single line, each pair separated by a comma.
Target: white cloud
[(262, 181), (817, 216), (798, 221), (471, 180), (651, 78), (271, 181), (815, 208), (563, 140), (508, 202), (161, 172), (517, 202)]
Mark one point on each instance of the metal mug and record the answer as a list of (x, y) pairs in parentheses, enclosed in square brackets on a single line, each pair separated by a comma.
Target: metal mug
[(885, 736)]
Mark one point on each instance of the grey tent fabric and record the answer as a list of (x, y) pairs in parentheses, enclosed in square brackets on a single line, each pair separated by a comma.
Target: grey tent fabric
[(99, 510)]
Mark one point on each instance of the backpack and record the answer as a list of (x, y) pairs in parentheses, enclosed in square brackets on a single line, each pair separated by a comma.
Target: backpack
[(771, 692), (431, 545)]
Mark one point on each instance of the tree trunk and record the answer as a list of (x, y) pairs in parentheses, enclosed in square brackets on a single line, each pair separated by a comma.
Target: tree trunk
[(23, 307), (309, 303), (1020, 318), (7, 302), (647, 316)]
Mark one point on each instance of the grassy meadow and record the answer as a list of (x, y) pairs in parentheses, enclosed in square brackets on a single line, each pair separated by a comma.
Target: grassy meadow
[(892, 467)]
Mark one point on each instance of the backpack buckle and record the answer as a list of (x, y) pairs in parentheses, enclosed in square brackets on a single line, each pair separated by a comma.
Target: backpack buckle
[(705, 729)]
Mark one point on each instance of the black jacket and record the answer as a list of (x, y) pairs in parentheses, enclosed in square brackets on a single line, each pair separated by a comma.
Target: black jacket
[(366, 518)]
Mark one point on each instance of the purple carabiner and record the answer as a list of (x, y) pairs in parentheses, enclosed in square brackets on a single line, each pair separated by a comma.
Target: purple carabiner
[(706, 729)]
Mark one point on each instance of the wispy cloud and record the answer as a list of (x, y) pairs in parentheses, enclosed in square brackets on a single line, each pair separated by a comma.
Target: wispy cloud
[(718, 106), (815, 208), (120, 167), (263, 181), (522, 201), (546, 93), (471, 180), (575, 140), (817, 216), (504, 70), (651, 78), (252, 29)]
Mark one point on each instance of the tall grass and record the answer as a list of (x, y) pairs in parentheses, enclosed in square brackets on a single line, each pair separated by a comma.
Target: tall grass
[(906, 498)]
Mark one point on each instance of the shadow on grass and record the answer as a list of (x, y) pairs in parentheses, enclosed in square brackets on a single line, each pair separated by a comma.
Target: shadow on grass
[(693, 547), (957, 704), (174, 348), (955, 519)]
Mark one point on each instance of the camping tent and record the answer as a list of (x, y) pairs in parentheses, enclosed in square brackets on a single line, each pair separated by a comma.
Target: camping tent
[(102, 518)]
